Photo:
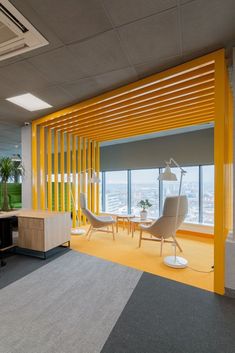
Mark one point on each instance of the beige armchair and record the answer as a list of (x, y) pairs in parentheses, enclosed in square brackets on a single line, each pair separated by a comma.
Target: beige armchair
[(166, 226), (96, 222)]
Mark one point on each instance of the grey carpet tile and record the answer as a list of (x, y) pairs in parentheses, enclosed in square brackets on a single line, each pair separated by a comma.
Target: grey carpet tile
[(18, 266), (69, 305), (164, 316)]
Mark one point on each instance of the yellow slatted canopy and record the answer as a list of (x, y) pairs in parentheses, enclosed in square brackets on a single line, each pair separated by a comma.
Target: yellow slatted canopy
[(182, 96), (194, 93)]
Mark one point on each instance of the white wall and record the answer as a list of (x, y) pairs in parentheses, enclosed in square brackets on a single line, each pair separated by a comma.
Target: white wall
[(27, 164)]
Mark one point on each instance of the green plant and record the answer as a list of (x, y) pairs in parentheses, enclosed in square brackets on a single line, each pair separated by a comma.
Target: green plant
[(144, 204), (9, 170)]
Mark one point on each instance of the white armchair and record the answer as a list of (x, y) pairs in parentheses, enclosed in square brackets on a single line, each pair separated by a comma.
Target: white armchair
[(96, 222), (166, 226)]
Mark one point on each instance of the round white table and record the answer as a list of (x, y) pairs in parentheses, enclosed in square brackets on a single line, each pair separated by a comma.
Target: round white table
[(136, 221)]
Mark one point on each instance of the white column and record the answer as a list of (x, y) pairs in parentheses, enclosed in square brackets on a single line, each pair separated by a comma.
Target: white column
[(230, 242), (26, 141)]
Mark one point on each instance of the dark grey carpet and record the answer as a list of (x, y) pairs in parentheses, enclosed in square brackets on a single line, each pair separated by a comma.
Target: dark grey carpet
[(19, 266), (165, 316)]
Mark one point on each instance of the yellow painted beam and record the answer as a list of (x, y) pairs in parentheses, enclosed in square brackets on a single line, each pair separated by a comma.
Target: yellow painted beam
[(62, 190), (79, 163), (93, 186), (42, 168), (56, 186), (84, 167), (74, 166), (148, 112), (89, 173), (97, 169), (68, 155), (49, 169), (183, 88), (153, 126), (34, 167), (205, 94), (219, 159), (190, 66), (125, 124), (160, 127)]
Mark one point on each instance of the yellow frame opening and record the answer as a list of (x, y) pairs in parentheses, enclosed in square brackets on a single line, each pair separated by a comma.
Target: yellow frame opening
[(194, 93)]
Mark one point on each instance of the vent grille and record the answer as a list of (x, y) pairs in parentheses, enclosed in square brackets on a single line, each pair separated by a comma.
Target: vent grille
[(17, 35)]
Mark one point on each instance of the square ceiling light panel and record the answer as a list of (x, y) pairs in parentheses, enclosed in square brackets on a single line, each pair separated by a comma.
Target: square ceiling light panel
[(29, 101)]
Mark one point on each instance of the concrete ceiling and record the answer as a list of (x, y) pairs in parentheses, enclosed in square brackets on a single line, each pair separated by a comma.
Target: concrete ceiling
[(99, 45)]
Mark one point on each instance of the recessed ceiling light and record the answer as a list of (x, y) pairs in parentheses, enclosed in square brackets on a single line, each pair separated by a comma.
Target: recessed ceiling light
[(29, 101)]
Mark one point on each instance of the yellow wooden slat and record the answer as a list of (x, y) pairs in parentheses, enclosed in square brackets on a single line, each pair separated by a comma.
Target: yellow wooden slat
[(56, 186), (68, 185), (136, 106), (148, 112), (74, 191), (34, 167), (97, 168), (84, 167), (89, 173), (49, 169), (93, 186), (42, 168), (148, 119), (79, 164), (188, 67), (62, 191), (154, 129), (153, 125), (196, 84)]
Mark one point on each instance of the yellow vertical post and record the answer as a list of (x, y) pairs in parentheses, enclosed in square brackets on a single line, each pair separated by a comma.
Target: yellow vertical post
[(89, 173), (221, 134), (49, 167), (34, 167), (84, 171), (97, 169), (62, 206), (74, 195), (93, 196), (230, 157), (42, 168), (68, 174), (56, 189), (79, 178)]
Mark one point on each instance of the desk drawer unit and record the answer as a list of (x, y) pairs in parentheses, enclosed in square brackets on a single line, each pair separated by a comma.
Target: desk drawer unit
[(44, 232)]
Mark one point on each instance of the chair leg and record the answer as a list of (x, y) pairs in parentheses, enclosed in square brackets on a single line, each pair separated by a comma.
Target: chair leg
[(89, 236), (140, 239), (177, 244), (162, 241), (113, 231), (88, 231)]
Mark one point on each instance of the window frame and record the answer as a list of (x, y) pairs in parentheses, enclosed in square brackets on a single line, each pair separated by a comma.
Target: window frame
[(160, 189)]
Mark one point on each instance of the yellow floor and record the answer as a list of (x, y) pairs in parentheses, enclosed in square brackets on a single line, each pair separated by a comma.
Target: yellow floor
[(124, 250)]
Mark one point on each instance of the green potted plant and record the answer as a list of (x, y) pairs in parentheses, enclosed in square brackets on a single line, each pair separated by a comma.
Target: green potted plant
[(9, 170), (144, 205)]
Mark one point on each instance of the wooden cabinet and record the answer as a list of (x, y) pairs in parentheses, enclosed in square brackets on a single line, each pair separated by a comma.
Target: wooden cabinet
[(43, 230)]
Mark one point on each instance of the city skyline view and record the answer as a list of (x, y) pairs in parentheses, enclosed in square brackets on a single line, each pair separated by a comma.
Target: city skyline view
[(145, 185)]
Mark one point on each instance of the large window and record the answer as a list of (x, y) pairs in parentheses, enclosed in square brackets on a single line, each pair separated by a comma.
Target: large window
[(144, 185), (191, 189), (116, 192), (122, 190), (208, 194)]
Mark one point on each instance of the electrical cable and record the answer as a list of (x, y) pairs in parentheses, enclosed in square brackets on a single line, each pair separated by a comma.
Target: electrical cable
[(194, 269)]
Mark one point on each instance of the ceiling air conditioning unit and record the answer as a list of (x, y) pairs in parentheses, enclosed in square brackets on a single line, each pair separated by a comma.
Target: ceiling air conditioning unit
[(17, 35)]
